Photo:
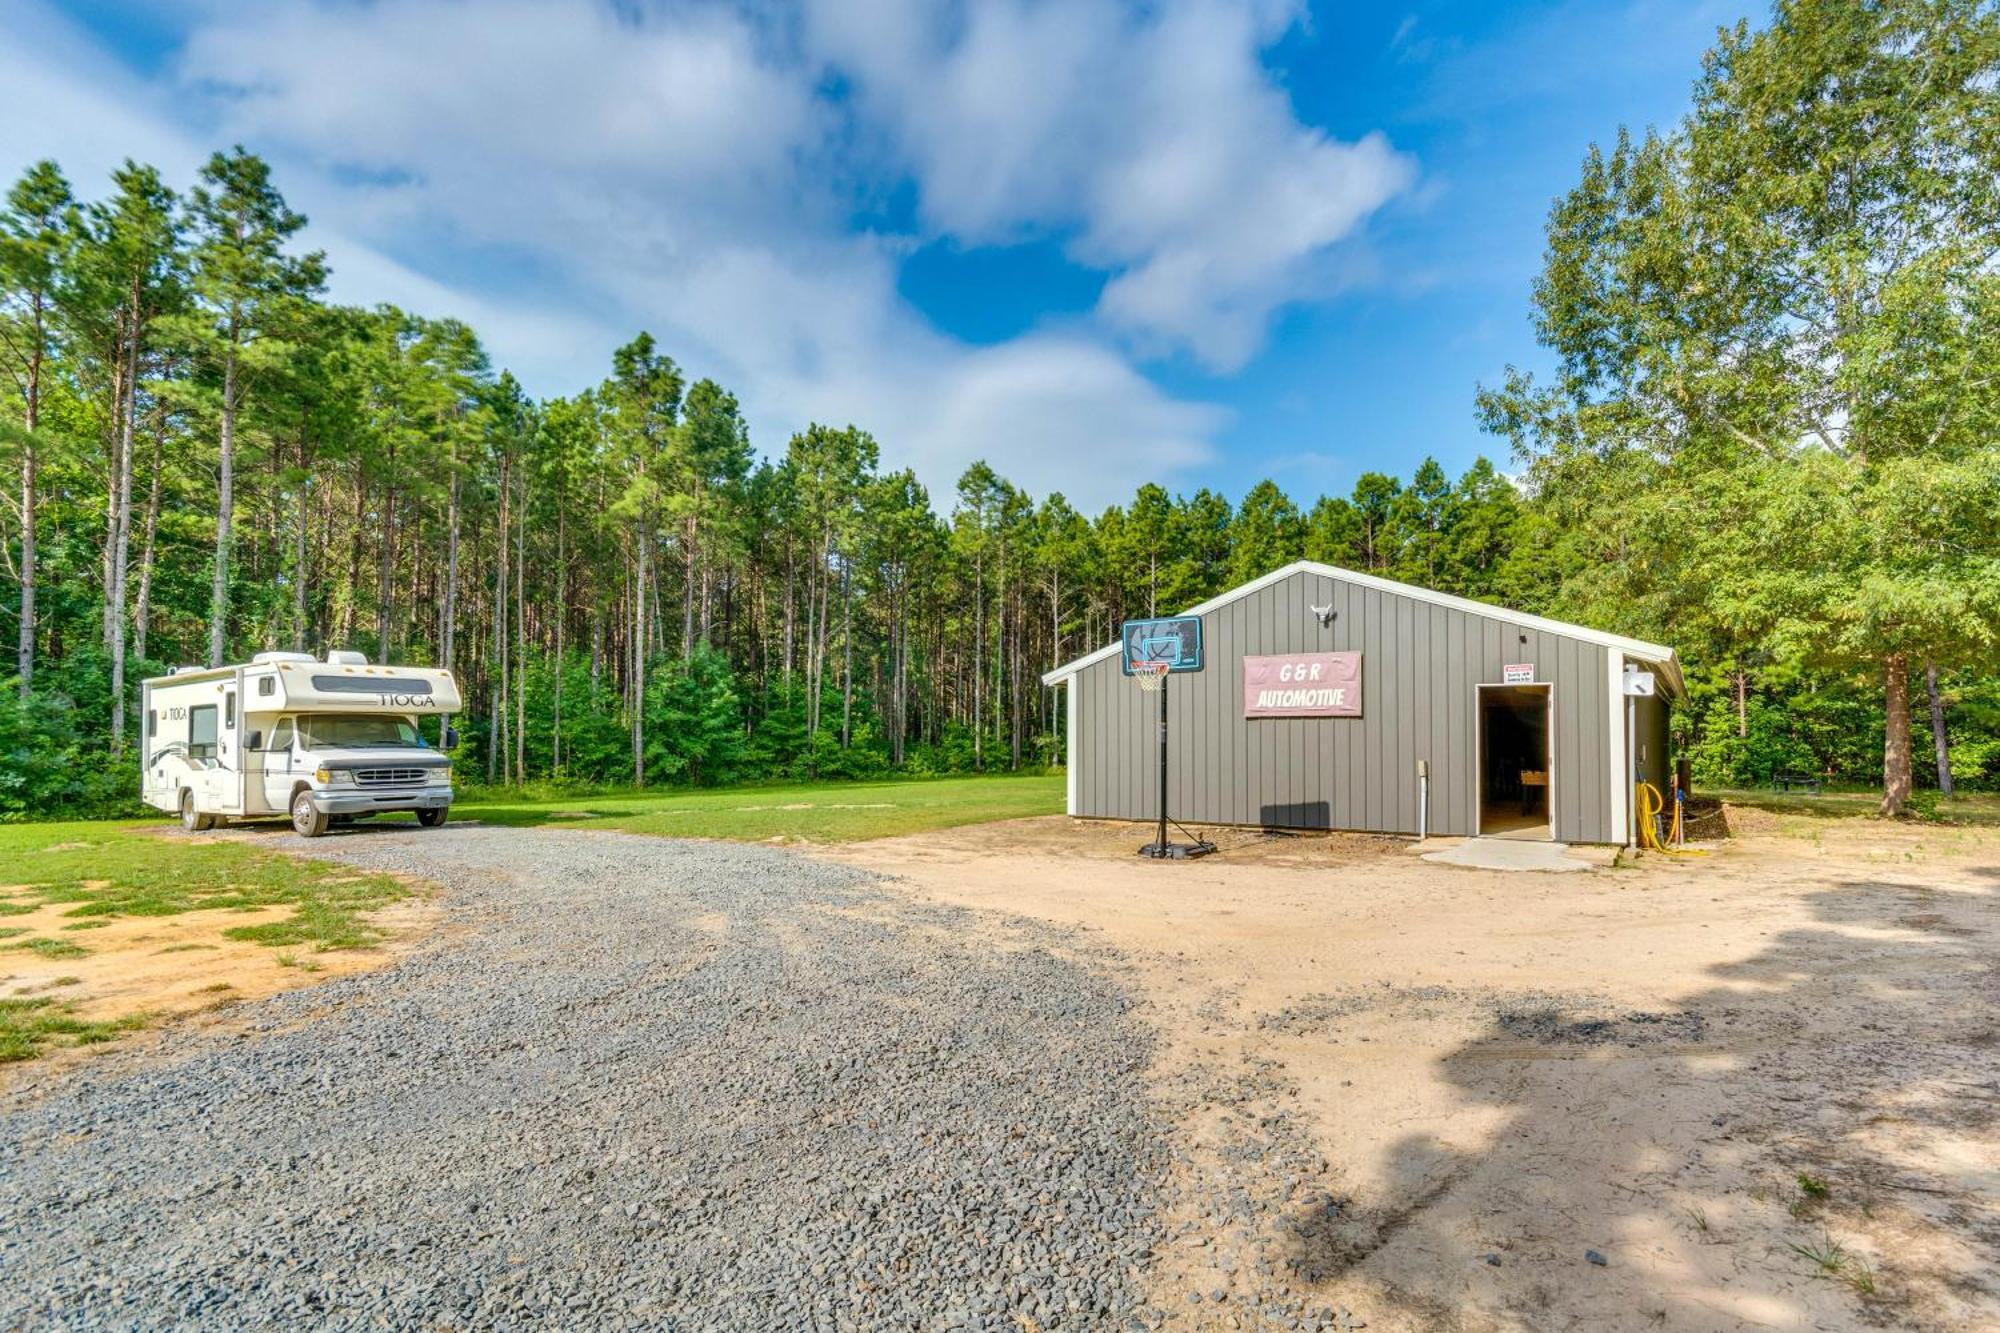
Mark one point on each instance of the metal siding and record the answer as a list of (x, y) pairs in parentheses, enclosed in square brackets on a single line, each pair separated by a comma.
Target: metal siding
[(1599, 825), (1568, 748), (1421, 665)]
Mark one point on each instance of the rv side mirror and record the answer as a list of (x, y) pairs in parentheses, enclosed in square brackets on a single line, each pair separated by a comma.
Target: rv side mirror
[(451, 738), (255, 741)]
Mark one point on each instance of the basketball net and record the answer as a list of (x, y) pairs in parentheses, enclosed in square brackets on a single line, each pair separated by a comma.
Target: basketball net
[(1152, 676)]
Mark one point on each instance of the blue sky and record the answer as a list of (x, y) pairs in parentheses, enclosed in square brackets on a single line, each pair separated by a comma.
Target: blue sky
[(1094, 242)]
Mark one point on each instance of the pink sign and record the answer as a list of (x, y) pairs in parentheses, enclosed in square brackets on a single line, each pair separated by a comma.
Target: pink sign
[(1302, 685)]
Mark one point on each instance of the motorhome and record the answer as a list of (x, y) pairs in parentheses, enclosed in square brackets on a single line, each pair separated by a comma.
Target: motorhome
[(288, 735)]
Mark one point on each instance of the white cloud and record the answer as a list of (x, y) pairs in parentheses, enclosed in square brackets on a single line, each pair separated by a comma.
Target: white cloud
[(561, 173), (1153, 137)]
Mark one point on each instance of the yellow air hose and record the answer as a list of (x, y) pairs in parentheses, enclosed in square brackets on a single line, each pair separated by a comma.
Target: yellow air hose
[(1650, 803)]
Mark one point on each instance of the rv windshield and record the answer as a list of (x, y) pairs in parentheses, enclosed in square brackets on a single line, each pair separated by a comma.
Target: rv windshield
[(335, 731)]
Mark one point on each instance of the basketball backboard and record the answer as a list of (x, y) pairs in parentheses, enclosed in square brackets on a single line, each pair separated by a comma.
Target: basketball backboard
[(1174, 640)]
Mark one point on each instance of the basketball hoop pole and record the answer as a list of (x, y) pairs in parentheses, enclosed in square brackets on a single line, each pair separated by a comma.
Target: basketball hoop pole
[(1154, 650), (1161, 841)]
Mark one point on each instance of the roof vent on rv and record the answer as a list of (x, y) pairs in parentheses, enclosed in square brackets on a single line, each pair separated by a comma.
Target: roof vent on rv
[(340, 657), (271, 659)]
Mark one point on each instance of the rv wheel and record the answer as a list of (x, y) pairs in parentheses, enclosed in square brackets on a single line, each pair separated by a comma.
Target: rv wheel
[(307, 820), (431, 818), (193, 820)]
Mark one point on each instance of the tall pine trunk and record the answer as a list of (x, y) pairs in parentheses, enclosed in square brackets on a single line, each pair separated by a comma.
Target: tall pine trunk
[(497, 729), (142, 611), (846, 653), (521, 644), (385, 588), (562, 622), (1940, 742), (448, 613), (115, 460), (225, 505), (690, 560), (301, 546), (121, 553), (638, 689), (24, 664), (978, 658), (1896, 737)]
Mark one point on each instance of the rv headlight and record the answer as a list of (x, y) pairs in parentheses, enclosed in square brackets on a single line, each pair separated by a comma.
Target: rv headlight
[(334, 777), (442, 775)]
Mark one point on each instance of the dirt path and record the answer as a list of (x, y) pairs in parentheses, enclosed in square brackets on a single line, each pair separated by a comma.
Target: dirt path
[(1761, 1086)]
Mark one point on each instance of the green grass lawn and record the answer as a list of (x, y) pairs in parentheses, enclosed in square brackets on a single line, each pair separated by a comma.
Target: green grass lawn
[(1973, 808), (110, 870), (824, 812)]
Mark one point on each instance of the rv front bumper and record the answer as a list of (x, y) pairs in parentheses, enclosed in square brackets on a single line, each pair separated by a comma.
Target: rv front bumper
[(365, 802)]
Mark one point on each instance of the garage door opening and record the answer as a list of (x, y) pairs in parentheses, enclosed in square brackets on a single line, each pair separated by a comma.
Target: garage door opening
[(1515, 779)]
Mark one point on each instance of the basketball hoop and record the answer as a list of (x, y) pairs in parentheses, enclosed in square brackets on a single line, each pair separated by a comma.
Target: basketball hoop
[(1151, 676)]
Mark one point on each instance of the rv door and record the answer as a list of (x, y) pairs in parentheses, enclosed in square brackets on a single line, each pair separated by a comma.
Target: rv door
[(279, 769)]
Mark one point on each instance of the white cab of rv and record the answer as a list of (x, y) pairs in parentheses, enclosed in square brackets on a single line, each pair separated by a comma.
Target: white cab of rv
[(291, 736)]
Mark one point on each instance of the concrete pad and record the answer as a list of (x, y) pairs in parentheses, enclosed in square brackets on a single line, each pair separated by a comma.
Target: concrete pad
[(1508, 854)]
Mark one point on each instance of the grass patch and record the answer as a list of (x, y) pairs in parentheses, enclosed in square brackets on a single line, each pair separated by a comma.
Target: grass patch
[(29, 1026), (49, 948), (825, 812), (108, 871), (1976, 809)]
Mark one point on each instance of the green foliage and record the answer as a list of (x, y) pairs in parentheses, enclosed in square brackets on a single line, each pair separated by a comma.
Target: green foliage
[(40, 758), (1773, 422), (694, 721)]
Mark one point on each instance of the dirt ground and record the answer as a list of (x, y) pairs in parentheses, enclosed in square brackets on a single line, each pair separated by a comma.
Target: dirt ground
[(1760, 1086), (180, 967)]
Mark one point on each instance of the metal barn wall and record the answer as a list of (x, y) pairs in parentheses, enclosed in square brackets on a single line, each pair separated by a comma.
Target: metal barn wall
[(1650, 754), (1420, 665)]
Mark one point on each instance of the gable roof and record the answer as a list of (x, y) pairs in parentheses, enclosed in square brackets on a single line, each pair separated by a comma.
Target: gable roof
[(1653, 654)]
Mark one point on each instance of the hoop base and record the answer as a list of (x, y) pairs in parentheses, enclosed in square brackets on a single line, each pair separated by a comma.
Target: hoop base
[(1176, 851)]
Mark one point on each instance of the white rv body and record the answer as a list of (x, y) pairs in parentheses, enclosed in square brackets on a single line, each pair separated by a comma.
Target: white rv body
[(290, 736)]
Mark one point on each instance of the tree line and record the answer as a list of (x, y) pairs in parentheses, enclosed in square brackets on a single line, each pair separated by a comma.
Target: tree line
[(1770, 441)]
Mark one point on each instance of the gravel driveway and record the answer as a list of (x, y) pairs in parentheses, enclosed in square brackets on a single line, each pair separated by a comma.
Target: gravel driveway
[(634, 1083)]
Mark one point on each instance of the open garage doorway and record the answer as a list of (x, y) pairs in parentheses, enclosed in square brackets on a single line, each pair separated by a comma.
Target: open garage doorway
[(1516, 777)]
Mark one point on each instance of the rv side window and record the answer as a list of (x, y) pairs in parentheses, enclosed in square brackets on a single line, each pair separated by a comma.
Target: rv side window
[(267, 685), (229, 709), (201, 732), (281, 736), (152, 723)]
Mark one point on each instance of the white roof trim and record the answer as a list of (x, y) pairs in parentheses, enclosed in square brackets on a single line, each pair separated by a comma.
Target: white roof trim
[(1653, 654)]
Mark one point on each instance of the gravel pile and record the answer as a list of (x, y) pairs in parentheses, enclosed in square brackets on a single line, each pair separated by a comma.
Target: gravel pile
[(637, 1084)]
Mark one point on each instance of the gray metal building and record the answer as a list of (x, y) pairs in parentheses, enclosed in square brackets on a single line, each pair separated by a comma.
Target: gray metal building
[(1525, 723)]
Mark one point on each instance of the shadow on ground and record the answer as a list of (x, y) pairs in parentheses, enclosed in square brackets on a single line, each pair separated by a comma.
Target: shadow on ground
[(1809, 1141)]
